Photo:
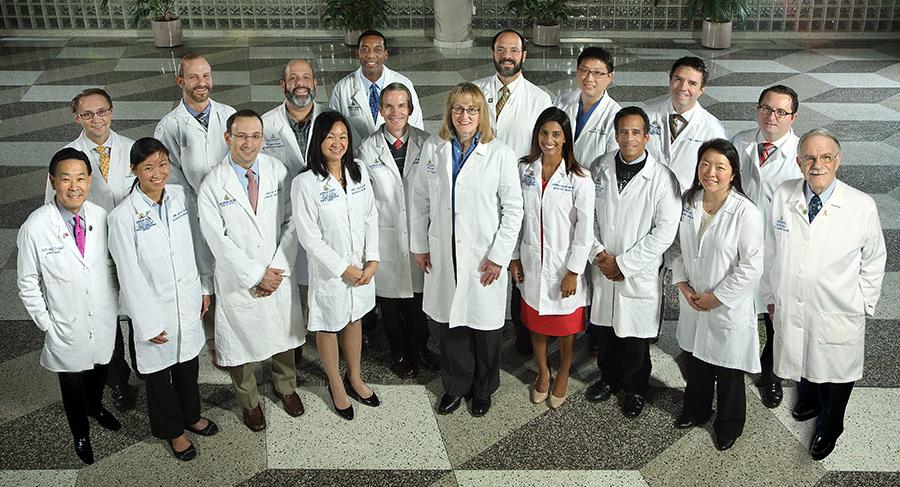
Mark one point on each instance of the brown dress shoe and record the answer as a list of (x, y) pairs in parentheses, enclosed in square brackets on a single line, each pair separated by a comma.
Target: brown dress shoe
[(254, 419), (292, 403)]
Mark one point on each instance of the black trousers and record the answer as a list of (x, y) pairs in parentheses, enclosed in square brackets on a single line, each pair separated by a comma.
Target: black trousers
[(173, 399), (515, 311), (470, 361), (831, 399), (369, 322), (731, 400), (405, 326), (766, 358), (624, 363), (119, 371), (82, 394)]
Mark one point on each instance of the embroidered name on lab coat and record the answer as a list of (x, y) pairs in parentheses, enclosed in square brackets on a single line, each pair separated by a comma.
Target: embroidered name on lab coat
[(228, 201), (566, 188), (599, 187), (430, 168), (51, 250), (179, 215), (376, 164), (358, 189), (781, 225), (687, 214), (271, 194), (596, 131)]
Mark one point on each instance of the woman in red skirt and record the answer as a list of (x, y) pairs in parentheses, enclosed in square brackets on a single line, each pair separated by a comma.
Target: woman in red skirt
[(553, 250)]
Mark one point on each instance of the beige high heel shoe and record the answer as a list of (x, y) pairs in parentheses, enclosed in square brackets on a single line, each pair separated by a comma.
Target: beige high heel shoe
[(556, 402), (539, 397)]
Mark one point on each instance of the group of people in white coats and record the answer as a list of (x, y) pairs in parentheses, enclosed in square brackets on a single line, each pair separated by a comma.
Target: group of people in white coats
[(304, 218)]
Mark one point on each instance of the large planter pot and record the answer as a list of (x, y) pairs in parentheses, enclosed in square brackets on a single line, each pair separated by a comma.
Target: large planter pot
[(167, 33), (453, 24), (352, 38), (545, 35), (716, 35)]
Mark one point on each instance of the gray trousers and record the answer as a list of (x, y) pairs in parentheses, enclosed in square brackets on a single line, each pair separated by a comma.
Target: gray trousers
[(470, 361)]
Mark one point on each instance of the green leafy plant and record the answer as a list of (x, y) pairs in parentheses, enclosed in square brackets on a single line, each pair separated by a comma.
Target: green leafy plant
[(351, 15), (541, 12), (719, 11), (158, 10)]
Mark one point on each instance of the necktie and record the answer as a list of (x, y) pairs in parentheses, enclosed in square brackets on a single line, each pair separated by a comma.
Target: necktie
[(79, 234), (398, 144), (104, 161), (815, 204), (765, 150), (203, 118), (501, 102), (374, 97), (252, 189), (676, 124)]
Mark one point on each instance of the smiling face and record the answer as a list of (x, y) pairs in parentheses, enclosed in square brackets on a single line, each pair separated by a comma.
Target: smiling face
[(396, 110), (299, 84), (771, 127), (819, 173), (72, 184), (631, 137), (714, 172), (465, 125), (551, 139), (334, 146), (97, 126), (371, 55), (593, 78), (245, 140), (508, 55), (196, 80), (685, 88), (152, 173)]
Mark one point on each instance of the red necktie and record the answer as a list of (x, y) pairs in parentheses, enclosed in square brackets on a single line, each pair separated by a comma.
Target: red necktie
[(252, 189), (765, 150), (398, 144)]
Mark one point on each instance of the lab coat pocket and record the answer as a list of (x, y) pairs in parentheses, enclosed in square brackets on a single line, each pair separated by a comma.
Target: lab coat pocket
[(642, 286), (840, 328)]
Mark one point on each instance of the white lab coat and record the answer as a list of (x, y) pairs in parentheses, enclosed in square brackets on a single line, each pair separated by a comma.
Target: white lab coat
[(251, 328), (398, 276), (599, 133), (72, 299), (557, 236), (637, 226), (351, 98), (161, 284), (488, 218), (525, 103), (825, 279), (337, 228), (680, 156), (281, 143), (106, 194), (728, 262)]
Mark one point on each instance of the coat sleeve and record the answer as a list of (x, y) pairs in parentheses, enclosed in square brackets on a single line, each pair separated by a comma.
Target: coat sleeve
[(873, 257), (583, 240), (662, 232), (306, 221), (675, 257), (509, 192), (135, 288), (421, 202), (597, 244), (286, 253), (745, 275), (29, 280), (335, 101), (231, 261), (766, 283)]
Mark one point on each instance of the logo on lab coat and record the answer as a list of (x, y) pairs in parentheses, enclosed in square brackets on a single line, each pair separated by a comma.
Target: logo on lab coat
[(143, 223), (528, 178), (273, 142), (655, 129), (227, 201)]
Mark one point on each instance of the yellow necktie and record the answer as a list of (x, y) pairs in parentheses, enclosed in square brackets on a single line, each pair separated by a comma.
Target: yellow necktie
[(504, 95), (104, 161)]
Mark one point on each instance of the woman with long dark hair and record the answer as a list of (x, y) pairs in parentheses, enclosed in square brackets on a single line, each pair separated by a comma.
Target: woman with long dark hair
[(557, 234), (717, 261), (337, 223)]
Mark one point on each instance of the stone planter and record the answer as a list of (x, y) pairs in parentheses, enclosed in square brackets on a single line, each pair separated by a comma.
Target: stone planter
[(545, 35), (167, 33), (453, 24), (716, 35)]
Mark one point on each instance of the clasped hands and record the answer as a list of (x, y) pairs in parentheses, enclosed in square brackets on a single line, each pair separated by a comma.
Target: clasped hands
[(607, 264), (699, 301), (355, 276)]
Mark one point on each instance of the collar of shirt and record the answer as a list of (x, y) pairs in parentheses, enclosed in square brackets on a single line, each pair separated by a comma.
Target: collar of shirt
[(458, 157), (639, 160), (686, 115), (193, 112), (379, 83), (241, 173), (823, 196), (68, 217), (778, 143), (390, 138), (513, 85), (152, 204)]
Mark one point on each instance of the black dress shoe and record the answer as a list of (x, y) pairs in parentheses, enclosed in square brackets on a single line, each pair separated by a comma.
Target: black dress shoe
[(480, 407), (371, 401), (598, 391), (185, 455), (106, 419), (344, 413), (633, 405), (821, 447), (723, 444), (83, 449), (429, 359), (449, 404), (211, 429), (803, 411), (686, 421), (403, 368), (772, 394), (122, 397)]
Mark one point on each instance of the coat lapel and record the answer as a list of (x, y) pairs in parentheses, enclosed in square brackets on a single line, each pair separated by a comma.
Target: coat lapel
[(233, 188)]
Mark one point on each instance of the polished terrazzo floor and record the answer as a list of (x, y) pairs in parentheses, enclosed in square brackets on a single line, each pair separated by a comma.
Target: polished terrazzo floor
[(849, 87)]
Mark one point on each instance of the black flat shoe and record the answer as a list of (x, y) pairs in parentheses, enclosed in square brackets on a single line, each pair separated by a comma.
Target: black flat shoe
[(803, 411), (598, 391), (185, 455), (772, 394), (344, 413), (122, 397), (480, 407), (723, 444), (821, 447), (84, 450), (106, 419), (371, 401), (403, 368), (211, 429), (685, 421), (449, 404), (633, 405)]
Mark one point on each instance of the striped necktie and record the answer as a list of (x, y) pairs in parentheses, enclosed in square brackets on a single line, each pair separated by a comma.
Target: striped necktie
[(501, 102), (765, 150)]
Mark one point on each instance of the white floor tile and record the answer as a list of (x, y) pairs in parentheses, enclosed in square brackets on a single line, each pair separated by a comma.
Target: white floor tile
[(549, 478)]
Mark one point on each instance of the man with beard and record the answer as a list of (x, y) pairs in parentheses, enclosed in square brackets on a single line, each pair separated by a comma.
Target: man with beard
[(515, 104), (192, 132), (357, 95)]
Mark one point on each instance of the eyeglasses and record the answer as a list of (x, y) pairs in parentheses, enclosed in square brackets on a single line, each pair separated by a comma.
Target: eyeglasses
[(89, 115), (459, 109), (244, 137), (584, 73), (767, 110), (823, 158), (510, 50)]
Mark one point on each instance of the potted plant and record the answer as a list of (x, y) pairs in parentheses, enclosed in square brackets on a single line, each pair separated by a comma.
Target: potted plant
[(544, 16), (355, 16), (717, 19), (166, 25)]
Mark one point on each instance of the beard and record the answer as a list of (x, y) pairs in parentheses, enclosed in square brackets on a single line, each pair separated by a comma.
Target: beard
[(507, 72), (300, 101)]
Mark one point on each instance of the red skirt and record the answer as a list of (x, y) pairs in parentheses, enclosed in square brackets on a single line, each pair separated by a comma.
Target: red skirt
[(553, 325)]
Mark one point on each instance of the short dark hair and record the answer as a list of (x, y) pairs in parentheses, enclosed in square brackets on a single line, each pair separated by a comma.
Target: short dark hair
[(68, 153), (598, 53), (694, 63), (90, 92), (632, 110), (504, 31), (397, 86), (726, 148), (144, 148), (371, 33), (782, 90), (315, 160), (245, 113)]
